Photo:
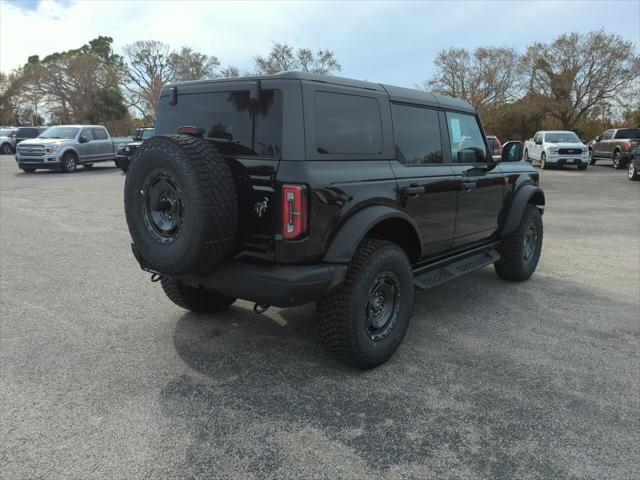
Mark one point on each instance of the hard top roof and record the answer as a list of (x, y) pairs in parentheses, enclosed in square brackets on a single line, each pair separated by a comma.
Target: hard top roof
[(396, 94)]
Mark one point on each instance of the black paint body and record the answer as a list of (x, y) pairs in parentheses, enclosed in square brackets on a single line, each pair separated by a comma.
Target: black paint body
[(462, 205)]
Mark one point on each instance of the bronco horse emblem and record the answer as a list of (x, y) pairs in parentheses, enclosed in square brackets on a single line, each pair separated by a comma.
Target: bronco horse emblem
[(261, 207)]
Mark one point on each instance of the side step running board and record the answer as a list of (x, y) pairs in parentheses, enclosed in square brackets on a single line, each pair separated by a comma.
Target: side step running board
[(455, 269)]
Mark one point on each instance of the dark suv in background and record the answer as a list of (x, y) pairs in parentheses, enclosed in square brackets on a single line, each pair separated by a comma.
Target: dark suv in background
[(26, 133), (128, 151), (297, 188)]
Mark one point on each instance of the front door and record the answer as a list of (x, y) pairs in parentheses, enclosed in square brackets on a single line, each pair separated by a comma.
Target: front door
[(85, 145), (427, 186), (480, 185)]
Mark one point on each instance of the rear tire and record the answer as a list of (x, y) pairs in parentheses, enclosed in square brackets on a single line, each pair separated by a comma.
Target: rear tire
[(363, 320), (633, 171), (5, 149), (520, 251), (181, 205), (617, 160), (194, 299)]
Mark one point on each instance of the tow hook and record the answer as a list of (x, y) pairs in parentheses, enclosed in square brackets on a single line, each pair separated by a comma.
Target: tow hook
[(260, 307)]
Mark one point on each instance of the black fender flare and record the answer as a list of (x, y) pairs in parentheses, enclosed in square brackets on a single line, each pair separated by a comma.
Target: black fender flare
[(351, 233), (522, 198)]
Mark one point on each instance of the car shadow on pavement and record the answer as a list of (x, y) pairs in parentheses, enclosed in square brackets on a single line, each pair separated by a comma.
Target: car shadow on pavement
[(263, 398)]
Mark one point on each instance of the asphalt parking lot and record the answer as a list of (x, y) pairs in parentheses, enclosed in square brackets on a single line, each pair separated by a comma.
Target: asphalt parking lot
[(103, 377)]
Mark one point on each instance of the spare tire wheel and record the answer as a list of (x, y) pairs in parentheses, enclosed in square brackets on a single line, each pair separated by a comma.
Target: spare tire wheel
[(181, 205)]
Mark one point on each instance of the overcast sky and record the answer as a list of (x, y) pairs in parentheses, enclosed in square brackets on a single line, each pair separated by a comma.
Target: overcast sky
[(390, 42)]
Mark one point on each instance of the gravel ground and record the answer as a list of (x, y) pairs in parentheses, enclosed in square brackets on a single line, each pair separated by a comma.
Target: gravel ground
[(103, 377)]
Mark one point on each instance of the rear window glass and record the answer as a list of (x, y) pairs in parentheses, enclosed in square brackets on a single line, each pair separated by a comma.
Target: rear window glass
[(235, 125), (347, 124), (417, 135)]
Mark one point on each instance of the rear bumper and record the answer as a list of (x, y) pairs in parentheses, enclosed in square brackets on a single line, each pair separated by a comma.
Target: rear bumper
[(276, 285)]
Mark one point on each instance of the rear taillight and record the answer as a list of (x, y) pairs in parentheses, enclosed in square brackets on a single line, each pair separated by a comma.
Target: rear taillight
[(499, 143), (627, 146), (294, 211)]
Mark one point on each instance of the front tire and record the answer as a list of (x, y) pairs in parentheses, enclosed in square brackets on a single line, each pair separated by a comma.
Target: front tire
[(28, 170), (520, 251), (364, 320), (69, 162), (194, 299), (5, 149), (592, 160), (582, 167), (87, 165), (543, 161), (525, 157)]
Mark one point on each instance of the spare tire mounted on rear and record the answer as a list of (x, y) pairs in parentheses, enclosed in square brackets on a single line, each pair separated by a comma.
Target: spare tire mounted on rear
[(181, 205)]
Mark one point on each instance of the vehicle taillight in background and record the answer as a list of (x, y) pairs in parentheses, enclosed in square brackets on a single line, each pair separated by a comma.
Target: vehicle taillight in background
[(627, 146), (294, 211), (499, 144)]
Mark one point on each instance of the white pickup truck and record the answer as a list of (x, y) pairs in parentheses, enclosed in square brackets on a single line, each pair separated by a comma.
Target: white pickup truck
[(557, 148)]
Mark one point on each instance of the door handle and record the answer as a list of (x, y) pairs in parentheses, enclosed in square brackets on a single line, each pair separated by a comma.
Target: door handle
[(413, 190), (468, 185)]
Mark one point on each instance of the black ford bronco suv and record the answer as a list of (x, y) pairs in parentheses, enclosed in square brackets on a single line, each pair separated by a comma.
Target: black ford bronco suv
[(296, 188)]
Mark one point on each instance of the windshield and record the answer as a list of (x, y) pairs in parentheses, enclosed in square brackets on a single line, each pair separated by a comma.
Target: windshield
[(562, 137), (628, 133), (148, 134), (60, 132), (5, 132)]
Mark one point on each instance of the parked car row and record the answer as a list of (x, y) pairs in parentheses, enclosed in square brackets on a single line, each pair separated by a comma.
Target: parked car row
[(64, 147)]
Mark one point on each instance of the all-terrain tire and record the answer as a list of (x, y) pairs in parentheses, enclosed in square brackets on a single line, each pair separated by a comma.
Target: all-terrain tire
[(518, 262), (582, 167), (194, 299), (203, 205), (28, 170), (342, 314)]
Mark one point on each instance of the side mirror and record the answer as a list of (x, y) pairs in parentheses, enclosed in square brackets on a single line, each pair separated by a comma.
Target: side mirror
[(598, 138), (511, 152), (83, 140), (538, 142)]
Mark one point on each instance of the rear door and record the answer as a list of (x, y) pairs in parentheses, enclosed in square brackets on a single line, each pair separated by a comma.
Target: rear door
[(480, 184), (426, 181), (103, 146)]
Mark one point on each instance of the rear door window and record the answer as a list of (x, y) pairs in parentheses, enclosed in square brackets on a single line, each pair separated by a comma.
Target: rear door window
[(99, 134), (417, 135), (86, 134), (236, 125), (347, 124), (465, 136)]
